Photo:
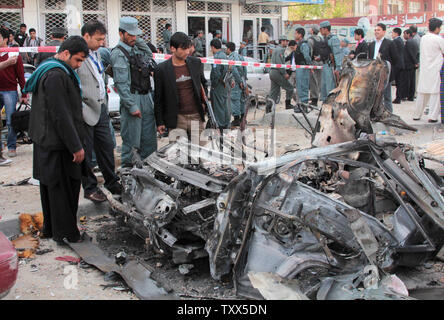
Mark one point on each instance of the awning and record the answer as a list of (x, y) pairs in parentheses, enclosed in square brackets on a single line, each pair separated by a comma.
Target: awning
[(285, 3)]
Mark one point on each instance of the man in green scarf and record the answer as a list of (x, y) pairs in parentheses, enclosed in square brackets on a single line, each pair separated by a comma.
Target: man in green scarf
[(57, 129)]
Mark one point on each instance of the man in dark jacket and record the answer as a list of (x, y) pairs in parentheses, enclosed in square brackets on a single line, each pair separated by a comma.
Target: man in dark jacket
[(57, 129), (361, 50), (21, 35), (411, 63), (399, 67), (387, 50), (178, 98)]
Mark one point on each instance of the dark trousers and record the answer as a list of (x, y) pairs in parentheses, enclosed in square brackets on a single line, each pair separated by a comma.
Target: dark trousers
[(262, 47), (409, 77), (98, 138), (388, 97), (400, 84), (60, 203), (59, 192)]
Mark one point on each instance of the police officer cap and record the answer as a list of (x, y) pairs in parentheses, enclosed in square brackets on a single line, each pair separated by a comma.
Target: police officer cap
[(7, 25), (200, 31), (283, 37), (315, 28), (325, 24), (218, 32), (243, 42), (130, 25), (58, 30)]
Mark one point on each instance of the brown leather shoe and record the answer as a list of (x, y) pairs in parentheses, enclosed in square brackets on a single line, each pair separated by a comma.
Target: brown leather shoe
[(96, 196)]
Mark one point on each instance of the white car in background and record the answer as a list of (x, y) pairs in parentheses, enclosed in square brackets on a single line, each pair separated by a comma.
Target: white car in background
[(258, 78)]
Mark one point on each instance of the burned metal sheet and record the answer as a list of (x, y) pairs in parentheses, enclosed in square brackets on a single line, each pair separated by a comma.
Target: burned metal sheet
[(357, 101), (136, 275)]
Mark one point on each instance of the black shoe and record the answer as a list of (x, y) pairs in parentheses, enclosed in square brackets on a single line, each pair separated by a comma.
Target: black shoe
[(410, 99), (396, 101), (268, 107), (96, 196), (314, 102), (165, 134), (288, 105), (116, 188), (236, 121)]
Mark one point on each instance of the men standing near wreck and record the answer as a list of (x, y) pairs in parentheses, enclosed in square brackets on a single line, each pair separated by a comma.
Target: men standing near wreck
[(384, 47), (219, 90), (329, 54), (302, 57), (178, 95), (236, 93), (95, 113), (138, 129), (431, 59), (57, 129), (279, 77)]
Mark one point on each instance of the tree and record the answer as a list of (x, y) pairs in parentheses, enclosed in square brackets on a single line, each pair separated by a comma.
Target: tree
[(330, 9)]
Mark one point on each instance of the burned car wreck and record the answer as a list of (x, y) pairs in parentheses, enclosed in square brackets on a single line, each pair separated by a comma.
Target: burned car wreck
[(318, 216)]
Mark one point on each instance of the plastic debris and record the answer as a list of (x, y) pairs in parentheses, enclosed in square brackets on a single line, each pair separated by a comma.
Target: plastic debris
[(185, 268), (68, 259)]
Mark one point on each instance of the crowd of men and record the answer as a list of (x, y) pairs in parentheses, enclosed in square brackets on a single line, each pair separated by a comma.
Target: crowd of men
[(328, 51), (69, 122)]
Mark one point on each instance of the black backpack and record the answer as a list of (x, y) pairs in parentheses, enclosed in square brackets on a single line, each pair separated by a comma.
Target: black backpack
[(322, 49), (140, 71), (299, 56)]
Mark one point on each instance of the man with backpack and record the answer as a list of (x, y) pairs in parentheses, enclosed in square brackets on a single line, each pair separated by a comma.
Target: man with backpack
[(219, 88), (315, 75), (301, 56), (129, 61), (279, 77), (239, 75), (329, 54)]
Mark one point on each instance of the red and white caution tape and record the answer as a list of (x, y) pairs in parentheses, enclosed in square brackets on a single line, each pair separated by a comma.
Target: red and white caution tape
[(242, 63), (160, 56), (30, 49)]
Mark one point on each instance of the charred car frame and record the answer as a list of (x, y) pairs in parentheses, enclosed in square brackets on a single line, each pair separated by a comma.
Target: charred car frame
[(354, 201)]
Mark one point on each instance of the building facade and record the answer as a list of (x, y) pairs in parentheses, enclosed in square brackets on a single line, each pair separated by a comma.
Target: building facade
[(237, 20), (392, 7)]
